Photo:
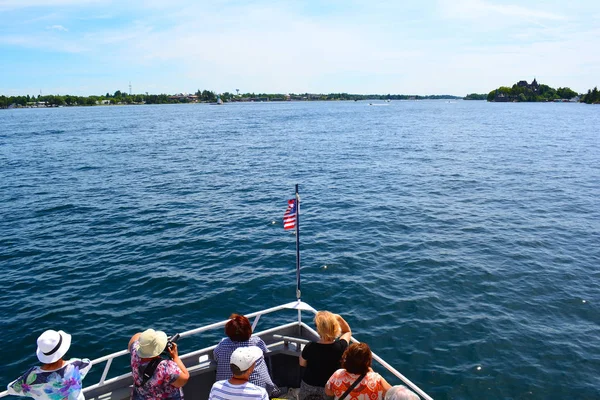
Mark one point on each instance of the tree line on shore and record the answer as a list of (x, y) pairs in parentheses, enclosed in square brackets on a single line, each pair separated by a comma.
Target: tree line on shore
[(200, 96), (591, 97), (518, 93), (475, 96)]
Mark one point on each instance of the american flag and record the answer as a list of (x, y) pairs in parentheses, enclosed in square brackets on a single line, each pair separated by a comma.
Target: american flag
[(289, 218)]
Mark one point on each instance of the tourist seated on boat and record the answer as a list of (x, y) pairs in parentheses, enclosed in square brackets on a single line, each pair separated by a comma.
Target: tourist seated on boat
[(400, 392), (155, 377), (356, 371), (243, 362), (239, 334), (322, 358), (55, 378)]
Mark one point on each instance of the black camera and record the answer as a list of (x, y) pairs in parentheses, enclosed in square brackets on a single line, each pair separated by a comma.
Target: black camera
[(172, 340)]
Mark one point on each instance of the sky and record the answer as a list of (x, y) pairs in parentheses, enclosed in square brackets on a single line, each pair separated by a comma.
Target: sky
[(86, 47)]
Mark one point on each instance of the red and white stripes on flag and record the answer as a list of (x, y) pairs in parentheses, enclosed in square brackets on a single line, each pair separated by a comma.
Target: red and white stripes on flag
[(289, 218)]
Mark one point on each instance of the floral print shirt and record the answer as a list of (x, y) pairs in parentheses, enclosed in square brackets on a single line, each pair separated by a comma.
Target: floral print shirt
[(160, 385), (370, 388), (60, 384)]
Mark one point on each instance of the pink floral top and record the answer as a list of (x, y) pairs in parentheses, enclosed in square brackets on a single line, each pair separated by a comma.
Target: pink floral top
[(160, 385), (370, 388)]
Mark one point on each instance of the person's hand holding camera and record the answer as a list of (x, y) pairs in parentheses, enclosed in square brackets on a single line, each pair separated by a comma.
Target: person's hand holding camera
[(173, 350)]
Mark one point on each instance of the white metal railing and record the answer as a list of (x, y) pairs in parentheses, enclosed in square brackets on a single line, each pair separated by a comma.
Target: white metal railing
[(298, 305)]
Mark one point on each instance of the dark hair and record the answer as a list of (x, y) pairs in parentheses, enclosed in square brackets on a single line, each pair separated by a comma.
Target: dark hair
[(238, 328), (235, 370), (357, 358)]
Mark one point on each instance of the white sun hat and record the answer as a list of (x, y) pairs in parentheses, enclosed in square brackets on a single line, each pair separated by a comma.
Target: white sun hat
[(52, 346), (152, 343), (244, 357)]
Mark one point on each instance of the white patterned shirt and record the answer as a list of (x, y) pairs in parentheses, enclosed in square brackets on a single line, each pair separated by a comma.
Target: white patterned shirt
[(62, 383)]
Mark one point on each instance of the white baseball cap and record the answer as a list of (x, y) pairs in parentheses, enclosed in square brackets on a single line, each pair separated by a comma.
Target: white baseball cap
[(245, 357)]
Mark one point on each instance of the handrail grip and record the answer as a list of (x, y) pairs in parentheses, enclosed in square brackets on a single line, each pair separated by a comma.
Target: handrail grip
[(265, 332), (292, 339), (109, 356)]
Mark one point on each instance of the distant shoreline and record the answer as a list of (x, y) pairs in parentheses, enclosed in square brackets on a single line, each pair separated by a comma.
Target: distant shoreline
[(121, 98)]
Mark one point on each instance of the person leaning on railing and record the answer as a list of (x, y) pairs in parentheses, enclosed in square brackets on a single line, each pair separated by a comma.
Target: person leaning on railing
[(356, 378), (164, 378), (56, 378), (322, 358)]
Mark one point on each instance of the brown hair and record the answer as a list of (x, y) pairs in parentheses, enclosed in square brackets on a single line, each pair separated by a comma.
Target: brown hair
[(327, 324), (238, 328), (357, 358)]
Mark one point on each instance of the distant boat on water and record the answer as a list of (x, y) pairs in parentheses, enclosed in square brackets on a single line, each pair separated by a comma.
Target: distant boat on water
[(218, 102)]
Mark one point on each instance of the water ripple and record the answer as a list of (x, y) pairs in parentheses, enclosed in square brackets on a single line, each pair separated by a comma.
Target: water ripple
[(460, 242)]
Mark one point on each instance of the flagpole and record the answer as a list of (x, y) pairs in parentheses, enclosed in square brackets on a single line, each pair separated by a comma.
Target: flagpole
[(298, 293)]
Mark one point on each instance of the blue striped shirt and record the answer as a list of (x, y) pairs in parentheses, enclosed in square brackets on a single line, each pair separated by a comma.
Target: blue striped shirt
[(223, 390)]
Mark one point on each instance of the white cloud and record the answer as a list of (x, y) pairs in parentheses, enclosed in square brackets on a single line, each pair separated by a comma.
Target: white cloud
[(492, 13), (278, 46), (57, 28), (45, 42), (18, 4)]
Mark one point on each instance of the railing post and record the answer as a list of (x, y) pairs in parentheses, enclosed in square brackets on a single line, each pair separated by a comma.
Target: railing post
[(255, 322), (108, 363)]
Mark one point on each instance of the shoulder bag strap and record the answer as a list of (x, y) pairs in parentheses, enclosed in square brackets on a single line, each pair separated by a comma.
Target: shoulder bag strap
[(351, 388), (149, 370)]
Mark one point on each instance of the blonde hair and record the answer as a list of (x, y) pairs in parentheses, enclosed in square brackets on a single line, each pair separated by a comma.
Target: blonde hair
[(328, 326)]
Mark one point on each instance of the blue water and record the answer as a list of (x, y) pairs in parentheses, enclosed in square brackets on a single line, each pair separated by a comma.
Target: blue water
[(461, 240)]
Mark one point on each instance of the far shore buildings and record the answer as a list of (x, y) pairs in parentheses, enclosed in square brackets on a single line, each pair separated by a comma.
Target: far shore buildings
[(534, 85), (184, 96), (502, 98)]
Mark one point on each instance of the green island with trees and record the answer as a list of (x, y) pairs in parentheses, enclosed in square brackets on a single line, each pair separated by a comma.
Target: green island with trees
[(201, 96), (532, 92)]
